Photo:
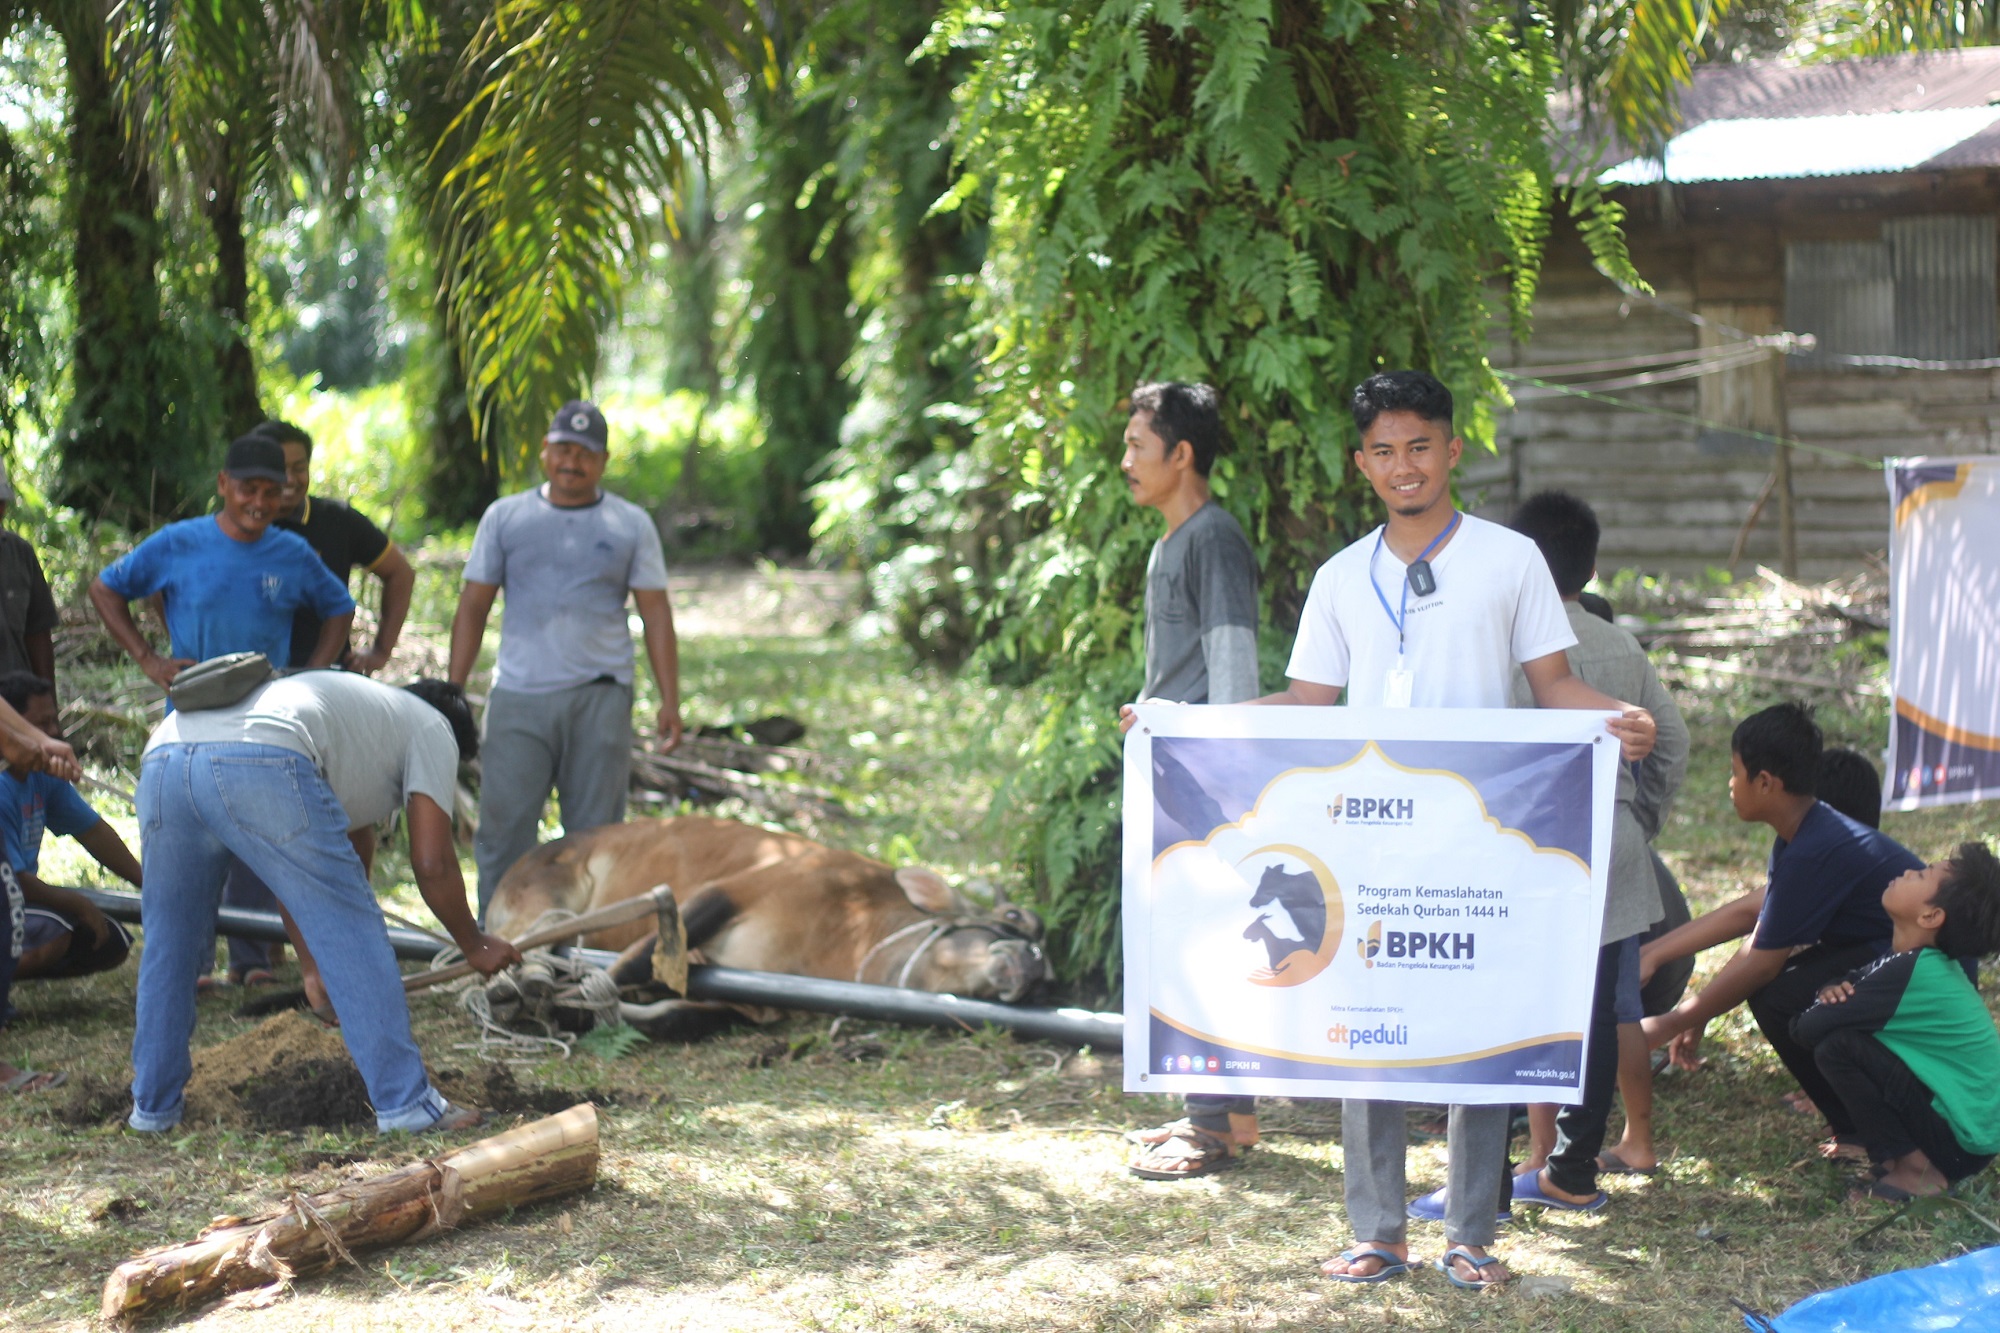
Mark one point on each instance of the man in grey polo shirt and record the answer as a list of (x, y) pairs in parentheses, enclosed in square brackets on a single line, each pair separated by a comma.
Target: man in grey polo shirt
[(1201, 648), (560, 711)]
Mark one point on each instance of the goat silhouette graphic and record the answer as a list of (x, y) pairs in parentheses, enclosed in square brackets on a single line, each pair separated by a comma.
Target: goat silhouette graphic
[(1299, 895)]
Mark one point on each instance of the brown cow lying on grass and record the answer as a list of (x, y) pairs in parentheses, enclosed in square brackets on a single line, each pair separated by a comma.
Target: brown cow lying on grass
[(772, 902)]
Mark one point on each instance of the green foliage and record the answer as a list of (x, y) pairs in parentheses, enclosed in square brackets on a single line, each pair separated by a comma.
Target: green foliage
[(1274, 198), (699, 465), (577, 121), (30, 359), (1883, 27), (802, 321), (904, 497), (1626, 61), (611, 1043), (332, 279)]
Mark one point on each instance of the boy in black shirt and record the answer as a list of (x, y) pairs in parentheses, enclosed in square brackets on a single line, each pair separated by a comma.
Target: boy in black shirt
[(1819, 918), (343, 539), (1907, 1042)]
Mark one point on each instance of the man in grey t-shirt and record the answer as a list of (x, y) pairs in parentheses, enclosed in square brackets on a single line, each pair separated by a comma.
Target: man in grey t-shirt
[(560, 712), (278, 781), (1201, 648)]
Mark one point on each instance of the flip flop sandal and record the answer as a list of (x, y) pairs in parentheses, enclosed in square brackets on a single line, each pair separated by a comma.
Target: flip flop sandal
[(1431, 1208), (1837, 1149), (256, 976), (1391, 1266), (1158, 1134), (1446, 1266), (1204, 1154), (210, 983), (1528, 1190), (22, 1080), (1242, 1129), (1611, 1164)]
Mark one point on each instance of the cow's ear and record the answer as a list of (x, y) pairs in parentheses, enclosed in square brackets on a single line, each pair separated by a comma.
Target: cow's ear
[(926, 889)]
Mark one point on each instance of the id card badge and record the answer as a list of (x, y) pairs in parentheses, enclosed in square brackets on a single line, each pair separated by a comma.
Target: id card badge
[(1398, 685)]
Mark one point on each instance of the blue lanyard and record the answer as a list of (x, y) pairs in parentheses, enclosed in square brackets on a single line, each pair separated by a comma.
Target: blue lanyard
[(1397, 617)]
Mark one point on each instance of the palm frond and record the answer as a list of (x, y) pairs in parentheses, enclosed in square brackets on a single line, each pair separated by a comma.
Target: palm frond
[(1627, 61), (579, 122), (1884, 27)]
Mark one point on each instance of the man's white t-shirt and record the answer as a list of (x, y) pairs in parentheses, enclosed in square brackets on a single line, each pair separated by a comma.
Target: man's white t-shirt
[(1495, 605), (375, 745)]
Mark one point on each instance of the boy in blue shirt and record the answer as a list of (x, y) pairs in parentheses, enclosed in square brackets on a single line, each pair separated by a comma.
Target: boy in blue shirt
[(63, 933), (1819, 918)]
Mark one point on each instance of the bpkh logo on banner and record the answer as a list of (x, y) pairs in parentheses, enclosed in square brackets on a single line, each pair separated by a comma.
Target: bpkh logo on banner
[(1341, 914), (1371, 810)]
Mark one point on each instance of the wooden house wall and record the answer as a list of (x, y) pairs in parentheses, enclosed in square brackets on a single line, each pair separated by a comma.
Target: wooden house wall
[(1672, 496)]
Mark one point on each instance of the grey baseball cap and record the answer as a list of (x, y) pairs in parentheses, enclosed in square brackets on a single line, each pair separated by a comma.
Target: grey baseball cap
[(579, 422)]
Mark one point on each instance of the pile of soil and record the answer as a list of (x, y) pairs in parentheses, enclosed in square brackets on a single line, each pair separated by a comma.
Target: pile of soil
[(291, 1072), (286, 1064)]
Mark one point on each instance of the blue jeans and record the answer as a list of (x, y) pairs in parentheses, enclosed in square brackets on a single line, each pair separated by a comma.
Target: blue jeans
[(270, 808)]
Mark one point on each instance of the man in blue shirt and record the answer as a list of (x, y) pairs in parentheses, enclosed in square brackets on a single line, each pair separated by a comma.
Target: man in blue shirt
[(232, 584), (1819, 917), (64, 933)]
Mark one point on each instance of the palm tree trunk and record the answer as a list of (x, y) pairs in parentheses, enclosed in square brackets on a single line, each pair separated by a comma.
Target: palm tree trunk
[(235, 369), (121, 400), (464, 475)]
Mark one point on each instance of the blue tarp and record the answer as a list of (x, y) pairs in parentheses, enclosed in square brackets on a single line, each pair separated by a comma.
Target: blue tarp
[(1961, 1295)]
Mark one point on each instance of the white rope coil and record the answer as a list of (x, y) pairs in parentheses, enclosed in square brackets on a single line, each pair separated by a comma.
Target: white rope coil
[(541, 982)]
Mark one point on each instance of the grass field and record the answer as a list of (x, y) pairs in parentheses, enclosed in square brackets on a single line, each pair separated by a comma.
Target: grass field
[(768, 1180)]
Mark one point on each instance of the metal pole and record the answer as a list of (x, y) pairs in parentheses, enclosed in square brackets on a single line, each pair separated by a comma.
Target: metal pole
[(246, 924), (732, 985)]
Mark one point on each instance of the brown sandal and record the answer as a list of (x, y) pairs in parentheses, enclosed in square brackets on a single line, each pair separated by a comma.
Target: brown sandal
[(1188, 1152), (1242, 1129)]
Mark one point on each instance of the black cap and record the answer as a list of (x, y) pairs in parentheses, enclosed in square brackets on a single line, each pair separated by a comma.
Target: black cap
[(579, 422), (253, 457)]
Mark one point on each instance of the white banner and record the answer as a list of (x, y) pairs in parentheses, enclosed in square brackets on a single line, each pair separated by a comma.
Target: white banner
[(1944, 635), (1348, 902)]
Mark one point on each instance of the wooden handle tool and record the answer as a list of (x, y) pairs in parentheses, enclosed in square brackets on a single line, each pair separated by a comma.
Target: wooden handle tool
[(617, 914)]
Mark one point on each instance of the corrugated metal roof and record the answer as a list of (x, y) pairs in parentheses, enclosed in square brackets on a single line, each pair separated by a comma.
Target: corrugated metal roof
[(1845, 145), (1767, 119)]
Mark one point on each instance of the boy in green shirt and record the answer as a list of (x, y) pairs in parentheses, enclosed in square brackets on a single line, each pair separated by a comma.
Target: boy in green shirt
[(1907, 1042)]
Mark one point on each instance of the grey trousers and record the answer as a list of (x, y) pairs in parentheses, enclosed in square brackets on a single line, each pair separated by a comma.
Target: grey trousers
[(1374, 1137), (577, 741), (1208, 1111)]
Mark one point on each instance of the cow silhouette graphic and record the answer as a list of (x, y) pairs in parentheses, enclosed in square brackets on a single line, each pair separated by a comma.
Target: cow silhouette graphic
[(1298, 894)]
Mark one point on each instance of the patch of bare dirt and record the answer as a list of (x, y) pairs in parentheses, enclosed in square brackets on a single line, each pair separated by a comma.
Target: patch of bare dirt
[(291, 1072)]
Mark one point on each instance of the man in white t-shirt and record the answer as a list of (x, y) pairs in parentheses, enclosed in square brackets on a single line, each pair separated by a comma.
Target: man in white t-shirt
[(277, 781), (1432, 610)]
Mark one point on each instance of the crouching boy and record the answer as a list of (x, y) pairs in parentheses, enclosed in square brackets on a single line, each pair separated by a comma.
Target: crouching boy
[(1907, 1042)]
